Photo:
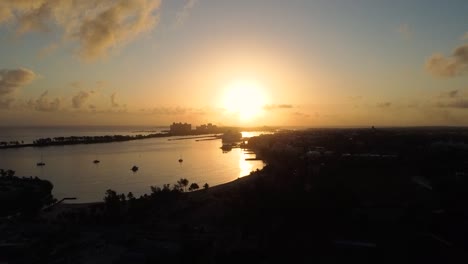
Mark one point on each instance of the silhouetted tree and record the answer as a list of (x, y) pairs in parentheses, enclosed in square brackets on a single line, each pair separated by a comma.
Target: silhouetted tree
[(112, 201), (166, 187), (155, 190), (206, 186), (183, 183), (193, 187)]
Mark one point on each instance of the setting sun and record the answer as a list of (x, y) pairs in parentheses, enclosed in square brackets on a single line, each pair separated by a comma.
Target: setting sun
[(244, 98)]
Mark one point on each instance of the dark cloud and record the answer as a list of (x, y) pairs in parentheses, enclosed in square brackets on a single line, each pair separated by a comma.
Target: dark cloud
[(460, 103), (44, 104), (80, 98), (98, 26), (277, 106), (10, 80), (452, 66), (384, 104)]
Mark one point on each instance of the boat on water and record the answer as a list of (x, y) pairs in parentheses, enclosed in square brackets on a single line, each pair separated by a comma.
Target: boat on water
[(41, 163), (226, 147), (96, 161), (181, 160), (134, 168)]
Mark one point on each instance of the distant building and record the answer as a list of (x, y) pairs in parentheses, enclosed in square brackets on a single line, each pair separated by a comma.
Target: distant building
[(208, 128), (180, 129)]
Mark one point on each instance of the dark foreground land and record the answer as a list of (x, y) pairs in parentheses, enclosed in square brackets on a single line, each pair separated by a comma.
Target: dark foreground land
[(326, 196)]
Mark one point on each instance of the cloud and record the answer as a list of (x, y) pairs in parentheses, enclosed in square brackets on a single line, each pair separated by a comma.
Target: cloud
[(5, 14), (355, 98), (10, 80), (43, 103), (450, 94), (113, 101), (80, 98), (384, 104), (6, 103), (301, 115), (277, 106), (452, 66), (460, 103), (76, 84), (183, 14), (98, 26), (170, 110), (100, 84), (47, 50), (405, 31), (465, 37)]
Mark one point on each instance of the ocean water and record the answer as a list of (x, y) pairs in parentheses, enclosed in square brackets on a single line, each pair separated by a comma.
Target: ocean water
[(73, 173)]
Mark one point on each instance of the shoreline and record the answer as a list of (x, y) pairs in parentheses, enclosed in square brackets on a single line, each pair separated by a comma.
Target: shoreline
[(74, 140), (227, 186)]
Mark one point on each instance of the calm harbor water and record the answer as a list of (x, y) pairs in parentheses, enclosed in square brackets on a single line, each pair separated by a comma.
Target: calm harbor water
[(73, 173)]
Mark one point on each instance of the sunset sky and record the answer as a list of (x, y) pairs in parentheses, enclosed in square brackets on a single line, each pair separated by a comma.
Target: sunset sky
[(295, 63)]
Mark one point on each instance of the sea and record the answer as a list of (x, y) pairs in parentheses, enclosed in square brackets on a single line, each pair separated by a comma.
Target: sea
[(73, 173)]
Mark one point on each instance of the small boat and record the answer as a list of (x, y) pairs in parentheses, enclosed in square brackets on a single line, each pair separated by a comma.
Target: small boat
[(181, 160), (226, 147), (134, 168), (41, 163), (96, 161)]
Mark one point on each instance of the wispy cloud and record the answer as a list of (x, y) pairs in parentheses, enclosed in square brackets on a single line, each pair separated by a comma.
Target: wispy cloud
[(6, 103), (47, 50), (76, 84), (450, 94), (301, 115), (460, 103), (405, 31), (384, 105), (277, 106), (171, 110), (114, 103), (80, 98), (44, 104), (10, 80), (98, 26), (183, 14), (446, 67), (113, 100), (5, 13), (465, 37)]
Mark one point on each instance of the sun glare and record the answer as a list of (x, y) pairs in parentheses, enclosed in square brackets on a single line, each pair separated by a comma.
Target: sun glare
[(245, 98)]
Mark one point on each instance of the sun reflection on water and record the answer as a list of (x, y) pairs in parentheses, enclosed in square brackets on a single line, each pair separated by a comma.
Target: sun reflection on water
[(246, 166)]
